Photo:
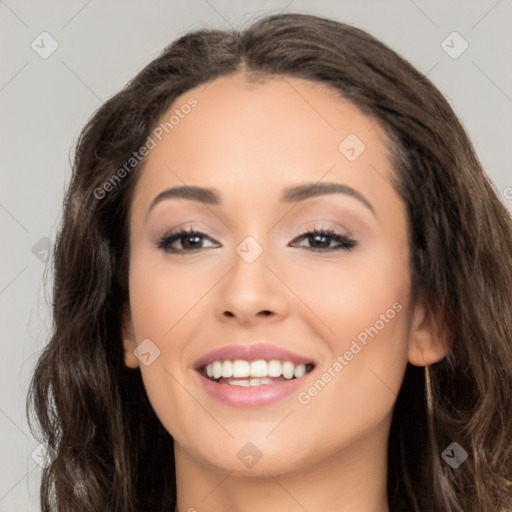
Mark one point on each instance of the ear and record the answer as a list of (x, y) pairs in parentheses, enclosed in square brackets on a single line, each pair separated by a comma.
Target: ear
[(427, 341), (129, 341)]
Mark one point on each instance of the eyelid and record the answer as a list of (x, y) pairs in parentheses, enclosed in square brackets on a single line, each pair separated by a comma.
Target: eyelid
[(327, 225), (163, 229), (180, 232), (191, 226), (345, 242)]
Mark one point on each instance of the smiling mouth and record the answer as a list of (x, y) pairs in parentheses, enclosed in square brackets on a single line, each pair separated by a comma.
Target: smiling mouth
[(254, 373)]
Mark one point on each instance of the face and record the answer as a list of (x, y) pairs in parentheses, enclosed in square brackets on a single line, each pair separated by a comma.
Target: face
[(290, 285)]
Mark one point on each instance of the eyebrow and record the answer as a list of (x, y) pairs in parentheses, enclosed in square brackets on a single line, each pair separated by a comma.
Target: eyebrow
[(289, 195)]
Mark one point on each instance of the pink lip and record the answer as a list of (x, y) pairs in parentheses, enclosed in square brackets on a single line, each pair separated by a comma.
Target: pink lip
[(252, 396), (250, 353), (238, 396)]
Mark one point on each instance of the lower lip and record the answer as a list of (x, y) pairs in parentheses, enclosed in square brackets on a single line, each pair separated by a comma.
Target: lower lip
[(251, 396)]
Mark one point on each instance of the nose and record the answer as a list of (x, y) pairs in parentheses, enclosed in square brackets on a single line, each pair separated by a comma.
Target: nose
[(252, 292)]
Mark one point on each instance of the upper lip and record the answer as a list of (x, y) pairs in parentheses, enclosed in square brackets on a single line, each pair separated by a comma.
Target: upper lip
[(251, 352)]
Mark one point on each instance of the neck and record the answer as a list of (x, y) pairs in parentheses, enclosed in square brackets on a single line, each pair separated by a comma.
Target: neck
[(351, 479)]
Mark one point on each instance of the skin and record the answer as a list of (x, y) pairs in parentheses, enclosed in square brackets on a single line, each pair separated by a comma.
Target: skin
[(249, 140)]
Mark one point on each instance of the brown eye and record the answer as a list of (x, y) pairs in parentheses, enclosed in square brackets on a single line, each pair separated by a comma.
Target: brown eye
[(320, 240), (189, 239)]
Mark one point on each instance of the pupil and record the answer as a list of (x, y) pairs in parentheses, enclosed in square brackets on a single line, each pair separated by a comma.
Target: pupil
[(325, 239), (191, 237)]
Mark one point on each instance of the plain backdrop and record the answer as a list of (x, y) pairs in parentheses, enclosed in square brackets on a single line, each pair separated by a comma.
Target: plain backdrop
[(98, 46)]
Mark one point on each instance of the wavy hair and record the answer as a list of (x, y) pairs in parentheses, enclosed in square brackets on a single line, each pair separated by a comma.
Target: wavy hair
[(113, 454)]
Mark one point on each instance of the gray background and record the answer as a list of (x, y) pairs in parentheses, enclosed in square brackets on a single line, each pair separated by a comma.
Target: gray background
[(101, 45)]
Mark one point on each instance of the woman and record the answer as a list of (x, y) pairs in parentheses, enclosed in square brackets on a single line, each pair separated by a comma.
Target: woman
[(282, 282)]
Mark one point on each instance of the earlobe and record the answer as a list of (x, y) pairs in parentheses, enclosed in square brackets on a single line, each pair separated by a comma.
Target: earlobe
[(129, 341), (427, 343)]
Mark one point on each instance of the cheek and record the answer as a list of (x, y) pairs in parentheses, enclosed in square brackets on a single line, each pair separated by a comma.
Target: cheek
[(162, 296), (355, 293), (362, 309), (166, 302)]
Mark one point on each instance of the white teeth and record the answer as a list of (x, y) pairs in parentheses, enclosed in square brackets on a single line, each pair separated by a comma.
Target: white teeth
[(243, 383), (300, 370), (240, 368), (259, 382), (274, 368), (255, 370), (227, 369), (217, 369), (259, 368), (248, 383), (288, 369)]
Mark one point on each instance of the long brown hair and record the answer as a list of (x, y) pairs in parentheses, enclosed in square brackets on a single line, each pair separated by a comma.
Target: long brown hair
[(112, 452)]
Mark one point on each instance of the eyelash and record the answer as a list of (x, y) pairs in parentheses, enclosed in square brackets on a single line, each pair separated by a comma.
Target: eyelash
[(346, 243)]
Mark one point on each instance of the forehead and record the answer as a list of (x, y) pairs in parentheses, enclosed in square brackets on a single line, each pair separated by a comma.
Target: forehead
[(235, 133)]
